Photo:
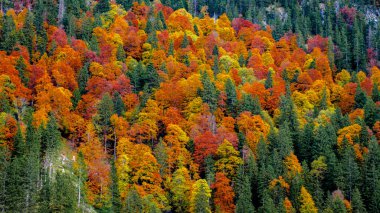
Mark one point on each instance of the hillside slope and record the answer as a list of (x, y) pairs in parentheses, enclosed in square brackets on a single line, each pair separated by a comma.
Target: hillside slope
[(144, 108)]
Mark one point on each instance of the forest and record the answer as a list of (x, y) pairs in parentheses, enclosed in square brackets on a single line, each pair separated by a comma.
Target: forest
[(226, 106)]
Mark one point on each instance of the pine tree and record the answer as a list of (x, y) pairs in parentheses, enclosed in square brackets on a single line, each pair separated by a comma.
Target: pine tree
[(133, 202), (244, 194), (118, 103), (215, 51), (81, 172), (370, 113), (16, 181), (360, 97), (231, 100), (215, 66), (4, 164), (9, 37), (269, 80), (105, 111), (267, 203), (210, 93), (185, 41), (161, 18), (358, 45), (303, 146), (350, 170), (375, 93), (180, 190), (171, 48), (21, 68), (200, 197), (116, 200), (120, 53), (125, 3), (29, 31), (63, 194), (209, 169), (102, 6), (250, 104), (51, 136), (323, 103), (371, 170), (82, 78), (357, 202), (33, 146)]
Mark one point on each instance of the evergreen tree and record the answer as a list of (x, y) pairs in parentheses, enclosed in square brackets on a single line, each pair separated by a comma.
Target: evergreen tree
[(360, 97), (83, 78), (250, 104), (9, 37), (215, 66), (80, 172), (231, 100), (105, 111), (185, 41), (29, 31), (200, 197), (358, 45), (21, 68), (244, 194), (357, 202), (303, 146), (370, 113), (118, 103), (125, 3), (102, 6), (133, 202), (375, 93), (210, 93), (116, 200), (63, 194), (215, 51), (33, 147), (268, 205), (51, 137), (350, 170), (16, 181), (171, 48), (323, 103), (269, 80), (120, 53), (209, 169)]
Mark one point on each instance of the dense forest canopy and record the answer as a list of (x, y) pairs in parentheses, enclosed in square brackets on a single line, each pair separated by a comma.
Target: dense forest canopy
[(189, 106)]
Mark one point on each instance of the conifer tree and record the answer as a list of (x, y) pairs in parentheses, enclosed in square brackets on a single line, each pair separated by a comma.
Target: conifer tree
[(231, 100), (185, 41), (21, 68), (360, 97), (200, 196), (269, 80), (9, 37), (357, 202), (133, 202), (370, 113), (210, 93), (118, 103), (375, 93), (29, 31), (102, 6), (244, 194)]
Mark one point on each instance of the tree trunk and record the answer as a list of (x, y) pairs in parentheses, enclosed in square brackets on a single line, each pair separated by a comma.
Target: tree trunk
[(61, 11)]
